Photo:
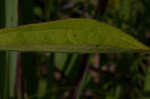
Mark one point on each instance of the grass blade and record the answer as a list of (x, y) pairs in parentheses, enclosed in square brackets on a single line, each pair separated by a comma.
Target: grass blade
[(71, 35)]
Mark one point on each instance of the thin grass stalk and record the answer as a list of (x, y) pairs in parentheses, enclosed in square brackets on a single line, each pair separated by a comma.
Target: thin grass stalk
[(82, 77), (86, 76), (81, 85), (11, 13), (18, 78), (6, 82), (69, 69), (50, 76), (67, 62)]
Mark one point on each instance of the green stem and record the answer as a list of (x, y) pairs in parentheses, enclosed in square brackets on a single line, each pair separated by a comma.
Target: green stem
[(82, 78), (50, 75), (11, 13), (82, 83)]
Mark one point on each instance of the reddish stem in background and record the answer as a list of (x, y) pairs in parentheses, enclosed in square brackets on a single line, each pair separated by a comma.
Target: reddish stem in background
[(83, 69), (18, 76)]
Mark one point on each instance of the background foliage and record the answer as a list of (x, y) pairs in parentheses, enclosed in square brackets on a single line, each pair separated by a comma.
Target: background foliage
[(59, 75)]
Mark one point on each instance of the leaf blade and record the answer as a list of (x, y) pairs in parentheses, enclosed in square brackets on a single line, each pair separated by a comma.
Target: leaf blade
[(70, 35)]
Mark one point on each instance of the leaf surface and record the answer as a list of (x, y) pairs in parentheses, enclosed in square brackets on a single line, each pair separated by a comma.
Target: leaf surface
[(69, 35)]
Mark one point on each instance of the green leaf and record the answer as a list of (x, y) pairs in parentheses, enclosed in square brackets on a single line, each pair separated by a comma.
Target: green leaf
[(70, 35)]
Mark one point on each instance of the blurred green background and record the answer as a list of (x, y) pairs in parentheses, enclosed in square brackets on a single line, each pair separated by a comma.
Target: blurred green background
[(62, 75)]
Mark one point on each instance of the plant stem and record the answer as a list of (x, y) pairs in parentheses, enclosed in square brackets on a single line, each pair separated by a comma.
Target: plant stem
[(82, 83), (50, 75), (11, 13), (82, 78)]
